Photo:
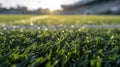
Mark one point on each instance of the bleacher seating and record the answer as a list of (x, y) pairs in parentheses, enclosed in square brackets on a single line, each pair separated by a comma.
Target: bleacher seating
[(103, 7)]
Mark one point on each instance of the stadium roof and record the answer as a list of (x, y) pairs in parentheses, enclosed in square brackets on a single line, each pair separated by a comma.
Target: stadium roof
[(77, 4)]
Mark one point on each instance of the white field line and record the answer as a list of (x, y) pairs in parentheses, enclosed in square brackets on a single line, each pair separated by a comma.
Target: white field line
[(31, 20)]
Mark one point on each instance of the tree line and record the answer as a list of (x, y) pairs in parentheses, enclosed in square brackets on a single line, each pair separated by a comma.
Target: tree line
[(25, 9)]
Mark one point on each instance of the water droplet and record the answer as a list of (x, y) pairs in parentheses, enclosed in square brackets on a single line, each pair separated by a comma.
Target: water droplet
[(5, 28), (63, 31), (14, 27), (38, 28), (46, 29), (83, 27), (72, 26), (112, 37), (61, 25)]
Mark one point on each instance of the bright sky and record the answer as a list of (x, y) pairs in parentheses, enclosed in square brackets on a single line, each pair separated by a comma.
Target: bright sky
[(33, 4)]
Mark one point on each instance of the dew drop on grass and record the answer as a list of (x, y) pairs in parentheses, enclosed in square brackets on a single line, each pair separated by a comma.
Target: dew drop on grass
[(83, 27), (38, 28), (72, 26), (58, 39), (79, 29), (14, 27), (46, 29), (112, 37), (5, 28), (61, 25)]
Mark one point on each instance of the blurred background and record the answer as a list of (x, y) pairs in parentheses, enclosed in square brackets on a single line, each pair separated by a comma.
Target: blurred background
[(63, 7)]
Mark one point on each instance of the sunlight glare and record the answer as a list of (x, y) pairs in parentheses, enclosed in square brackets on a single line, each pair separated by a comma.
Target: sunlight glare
[(51, 4)]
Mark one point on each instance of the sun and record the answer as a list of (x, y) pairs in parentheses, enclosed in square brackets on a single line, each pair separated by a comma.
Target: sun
[(51, 4)]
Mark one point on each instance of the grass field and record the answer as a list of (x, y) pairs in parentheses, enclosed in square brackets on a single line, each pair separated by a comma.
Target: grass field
[(10, 19), (57, 20), (64, 47)]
